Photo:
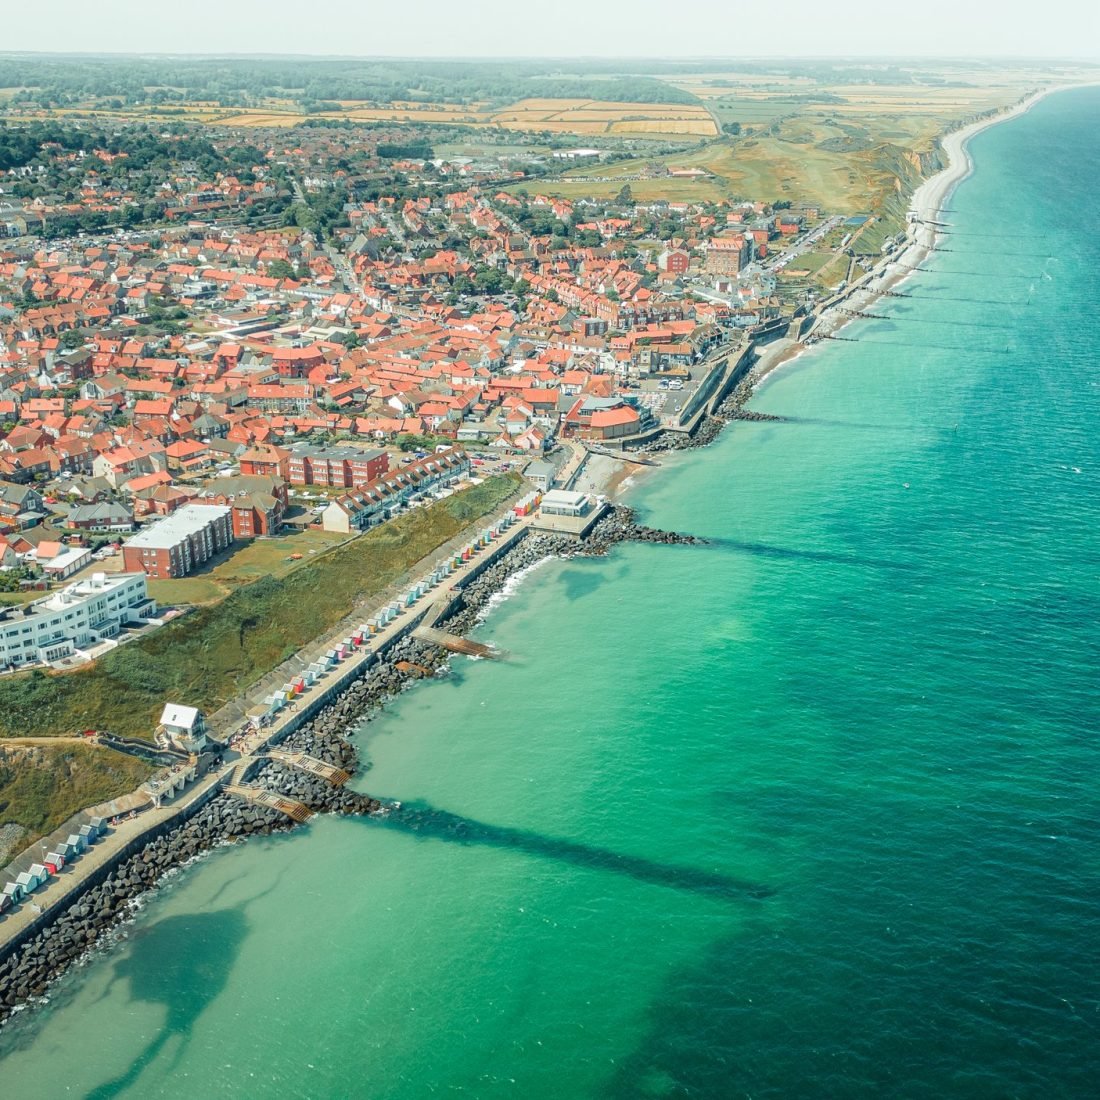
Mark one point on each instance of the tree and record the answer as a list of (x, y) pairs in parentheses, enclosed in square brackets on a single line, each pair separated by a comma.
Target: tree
[(489, 281), (301, 215), (280, 269), (625, 196)]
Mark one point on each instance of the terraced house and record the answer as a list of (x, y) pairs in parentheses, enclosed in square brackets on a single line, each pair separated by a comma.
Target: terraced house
[(377, 502)]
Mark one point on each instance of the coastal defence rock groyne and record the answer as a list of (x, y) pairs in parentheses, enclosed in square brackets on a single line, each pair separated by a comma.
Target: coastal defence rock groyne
[(710, 427), (110, 899)]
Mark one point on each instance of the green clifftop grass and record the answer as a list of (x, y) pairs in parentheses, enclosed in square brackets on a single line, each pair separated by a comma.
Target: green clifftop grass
[(41, 786), (209, 656)]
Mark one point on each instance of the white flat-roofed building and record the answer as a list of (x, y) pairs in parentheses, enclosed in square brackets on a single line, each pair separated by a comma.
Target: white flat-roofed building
[(565, 502), (569, 512), (80, 615), (71, 560)]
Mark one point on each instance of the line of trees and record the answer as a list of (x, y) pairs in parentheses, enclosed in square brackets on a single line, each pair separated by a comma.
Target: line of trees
[(241, 82)]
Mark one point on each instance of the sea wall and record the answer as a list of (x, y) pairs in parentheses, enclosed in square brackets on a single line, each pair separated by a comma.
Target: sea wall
[(100, 902), (103, 900)]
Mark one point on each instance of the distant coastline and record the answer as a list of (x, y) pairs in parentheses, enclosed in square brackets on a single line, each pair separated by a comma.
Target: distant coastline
[(931, 196), (926, 204)]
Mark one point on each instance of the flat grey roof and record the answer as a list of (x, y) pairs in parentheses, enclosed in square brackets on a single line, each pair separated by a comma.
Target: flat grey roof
[(167, 532)]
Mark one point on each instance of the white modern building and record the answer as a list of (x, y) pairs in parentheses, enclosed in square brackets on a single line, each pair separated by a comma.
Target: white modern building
[(569, 512), (564, 502), (181, 728), (80, 615)]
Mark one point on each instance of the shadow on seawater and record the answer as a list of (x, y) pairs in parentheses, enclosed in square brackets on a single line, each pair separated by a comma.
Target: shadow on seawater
[(829, 557), (825, 422), (882, 429), (428, 823), (164, 968)]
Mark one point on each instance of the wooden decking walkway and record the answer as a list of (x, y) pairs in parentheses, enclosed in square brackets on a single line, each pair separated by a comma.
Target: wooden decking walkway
[(334, 775), (260, 796)]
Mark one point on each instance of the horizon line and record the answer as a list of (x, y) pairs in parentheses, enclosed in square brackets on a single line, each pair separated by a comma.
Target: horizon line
[(651, 57)]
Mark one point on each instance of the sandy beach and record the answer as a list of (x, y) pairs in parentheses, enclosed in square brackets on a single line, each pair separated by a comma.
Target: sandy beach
[(927, 203), (932, 195), (606, 476)]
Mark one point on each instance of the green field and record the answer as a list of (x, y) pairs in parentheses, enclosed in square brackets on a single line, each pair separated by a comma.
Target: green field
[(11, 599), (837, 165), (753, 112), (851, 149), (245, 563), (644, 190), (209, 656), (813, 262)]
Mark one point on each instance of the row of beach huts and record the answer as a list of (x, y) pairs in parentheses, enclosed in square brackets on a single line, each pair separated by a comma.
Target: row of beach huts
[(23, 883), (264, 712)]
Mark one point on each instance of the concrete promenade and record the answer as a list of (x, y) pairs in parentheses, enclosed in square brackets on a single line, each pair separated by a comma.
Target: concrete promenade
[(131, 833)]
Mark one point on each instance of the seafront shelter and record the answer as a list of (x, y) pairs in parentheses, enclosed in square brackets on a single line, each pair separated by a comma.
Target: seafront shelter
[(567, 512)]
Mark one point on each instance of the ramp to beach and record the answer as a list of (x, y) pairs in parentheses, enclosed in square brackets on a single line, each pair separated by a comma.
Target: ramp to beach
[(454, 644), (329, 772), (260, 796)]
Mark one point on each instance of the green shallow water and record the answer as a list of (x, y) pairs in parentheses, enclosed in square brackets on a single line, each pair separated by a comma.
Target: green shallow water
[(810, 811)]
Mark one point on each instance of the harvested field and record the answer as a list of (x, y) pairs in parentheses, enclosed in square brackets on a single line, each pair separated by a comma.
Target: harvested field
[(583, 117), (702, 127)]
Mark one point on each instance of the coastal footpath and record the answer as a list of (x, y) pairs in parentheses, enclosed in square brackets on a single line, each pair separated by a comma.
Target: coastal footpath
[(96, 907)]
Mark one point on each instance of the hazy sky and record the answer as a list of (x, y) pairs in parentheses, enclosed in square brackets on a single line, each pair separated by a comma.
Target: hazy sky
[(605, 28)]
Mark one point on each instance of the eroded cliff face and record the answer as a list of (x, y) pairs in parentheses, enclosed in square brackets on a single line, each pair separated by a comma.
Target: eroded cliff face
[(896, 172)]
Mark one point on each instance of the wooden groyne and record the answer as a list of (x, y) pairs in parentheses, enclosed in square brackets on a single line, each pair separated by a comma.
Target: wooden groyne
[(623, 456)]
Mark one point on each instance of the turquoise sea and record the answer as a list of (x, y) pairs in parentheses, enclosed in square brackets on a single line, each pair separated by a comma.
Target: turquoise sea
[(811, 811)]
